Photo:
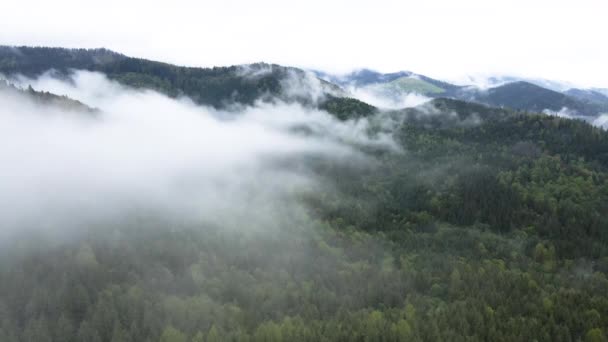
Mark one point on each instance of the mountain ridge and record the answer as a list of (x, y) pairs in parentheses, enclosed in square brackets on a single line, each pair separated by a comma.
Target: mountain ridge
[(245, 84)]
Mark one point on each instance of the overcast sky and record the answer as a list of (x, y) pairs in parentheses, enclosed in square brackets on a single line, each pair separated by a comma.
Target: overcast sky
[(555, 39)]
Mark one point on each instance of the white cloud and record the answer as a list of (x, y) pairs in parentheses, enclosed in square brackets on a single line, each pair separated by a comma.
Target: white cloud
[(382, 98), (555, 39), (562, 113), (601, 121), (150, 152), (598, 121)]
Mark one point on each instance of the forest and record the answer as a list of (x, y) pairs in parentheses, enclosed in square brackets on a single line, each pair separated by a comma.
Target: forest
[(481, 224)]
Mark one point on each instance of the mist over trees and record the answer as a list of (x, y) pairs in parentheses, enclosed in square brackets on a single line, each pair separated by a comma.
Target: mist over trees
[(260, 203)]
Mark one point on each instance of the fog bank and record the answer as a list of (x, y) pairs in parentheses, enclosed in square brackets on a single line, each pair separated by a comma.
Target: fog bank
[(146, 152)]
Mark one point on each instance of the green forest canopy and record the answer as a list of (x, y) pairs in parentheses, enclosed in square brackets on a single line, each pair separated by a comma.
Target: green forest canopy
[(492, 227)]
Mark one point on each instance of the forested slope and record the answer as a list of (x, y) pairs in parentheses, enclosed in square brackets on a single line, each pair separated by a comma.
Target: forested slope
[(220, 87), (481, 224)]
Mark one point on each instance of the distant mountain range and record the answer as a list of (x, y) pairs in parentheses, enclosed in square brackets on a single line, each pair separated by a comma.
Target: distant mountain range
[(245, 84), (527, 96), (509, 92), (405, 80), (220, 87)]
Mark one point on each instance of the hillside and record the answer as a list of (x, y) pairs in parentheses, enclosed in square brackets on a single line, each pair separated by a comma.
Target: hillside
[(168, 221), (405, 80), (588, 95), (362, 77), (33, 61), (217, 87), (530, 97), (509, 92)]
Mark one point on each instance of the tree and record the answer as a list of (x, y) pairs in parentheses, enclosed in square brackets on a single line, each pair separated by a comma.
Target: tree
[(87, 332), (64, 330), (401, 330), (268, 332), (37, 331), (595, 335), (198, 337), (170, 334), (213, 335)]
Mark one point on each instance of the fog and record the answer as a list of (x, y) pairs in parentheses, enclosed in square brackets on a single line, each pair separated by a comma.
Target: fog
[(600, 120), (145, 152), (380, 97)]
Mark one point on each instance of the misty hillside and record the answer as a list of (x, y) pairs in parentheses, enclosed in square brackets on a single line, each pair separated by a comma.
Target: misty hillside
[(589, 95), (33, 61), (365, 77), (527, 96), (511, 92), (261, 203), (246, 84), (218, 87), (362, 77)]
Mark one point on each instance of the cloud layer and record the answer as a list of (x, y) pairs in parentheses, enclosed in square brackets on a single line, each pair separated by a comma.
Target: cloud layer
[(438, 38), (147, 152)]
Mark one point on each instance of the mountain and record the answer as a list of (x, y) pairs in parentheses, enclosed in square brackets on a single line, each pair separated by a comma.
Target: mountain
[(362, 77), (595, 96), (533, 95), (411, 84), (213, 86), (588, 95), (450, 111), (249, 83), (405, 81), (603, 91), (530, 97), (33, 61), (492, 81), (217, 87), (486, 127), (477, 222)]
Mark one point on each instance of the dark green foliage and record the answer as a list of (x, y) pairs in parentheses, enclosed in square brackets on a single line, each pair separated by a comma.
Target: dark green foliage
[(345, 108), (306, 285), (33, 61), (216, 87), (219, 86), (485, 173)]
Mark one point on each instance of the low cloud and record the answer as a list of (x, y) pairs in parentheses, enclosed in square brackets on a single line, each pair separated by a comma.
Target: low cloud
[(146, 152), (598, 121), (601, 121), (562, 113), (377, 96)]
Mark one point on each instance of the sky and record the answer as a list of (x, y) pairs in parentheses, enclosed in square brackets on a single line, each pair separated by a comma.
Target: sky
[(553, 39)]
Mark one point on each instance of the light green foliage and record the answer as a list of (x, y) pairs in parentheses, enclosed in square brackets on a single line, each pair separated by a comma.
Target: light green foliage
[(170, 334), (213, 335), (595, 335), (412, 85), (199, 337)]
